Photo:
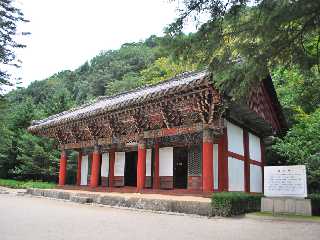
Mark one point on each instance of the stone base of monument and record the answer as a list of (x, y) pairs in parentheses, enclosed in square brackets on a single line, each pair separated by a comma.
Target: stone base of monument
[(286, 205)]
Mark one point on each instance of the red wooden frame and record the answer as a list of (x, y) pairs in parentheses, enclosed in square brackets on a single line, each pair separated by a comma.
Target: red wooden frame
[(79, 168), (246, 161), (224, 166)]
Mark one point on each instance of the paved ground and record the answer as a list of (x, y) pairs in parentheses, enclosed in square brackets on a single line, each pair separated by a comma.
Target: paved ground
[(25, 217)]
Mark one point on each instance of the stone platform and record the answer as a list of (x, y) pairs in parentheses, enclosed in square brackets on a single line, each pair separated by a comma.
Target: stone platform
[(154, 202), (286, 205)]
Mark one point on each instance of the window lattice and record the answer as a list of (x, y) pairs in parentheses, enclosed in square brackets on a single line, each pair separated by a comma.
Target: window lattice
[(194, 161)]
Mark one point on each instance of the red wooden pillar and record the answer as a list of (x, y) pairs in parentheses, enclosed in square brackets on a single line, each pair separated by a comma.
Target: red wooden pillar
[(95, 168), (156, 179), (263, 152), (225, 170), (207, 161), (63, 168), (141, 167), (246, 161), (79, 168), (112, 156)]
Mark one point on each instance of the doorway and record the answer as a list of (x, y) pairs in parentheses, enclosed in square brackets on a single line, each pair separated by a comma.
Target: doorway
[(180, 167), (130, 169)]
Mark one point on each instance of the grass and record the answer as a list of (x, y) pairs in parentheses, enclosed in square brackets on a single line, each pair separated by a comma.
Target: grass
[(287, 216), (25, 184)]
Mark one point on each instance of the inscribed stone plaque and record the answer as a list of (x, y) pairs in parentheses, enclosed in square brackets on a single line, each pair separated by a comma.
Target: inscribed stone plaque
[(285, 181)]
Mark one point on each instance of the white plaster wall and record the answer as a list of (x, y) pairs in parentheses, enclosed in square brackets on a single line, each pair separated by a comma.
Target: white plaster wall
[(166, 161), (215, 167), (235, 138), (120, 159), (105, 165), (236, 174), (148, 162), (84, 170), (255, 178), (254, 147)]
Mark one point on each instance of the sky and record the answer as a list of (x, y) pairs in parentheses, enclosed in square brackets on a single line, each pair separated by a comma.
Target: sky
[(66, 33)]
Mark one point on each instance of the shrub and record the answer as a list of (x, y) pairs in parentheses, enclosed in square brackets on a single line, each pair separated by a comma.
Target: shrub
[(10, 183), (25, 184), (234, 203), (315, 203), (38, 184)]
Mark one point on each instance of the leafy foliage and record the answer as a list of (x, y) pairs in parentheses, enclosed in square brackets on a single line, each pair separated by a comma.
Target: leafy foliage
[(300, 99), (302, 146), (229, 204), (25, 184), (164, 68), (25, 156), (315, 203), (297, 91), (243, 40), (37, 158), (5, 146)]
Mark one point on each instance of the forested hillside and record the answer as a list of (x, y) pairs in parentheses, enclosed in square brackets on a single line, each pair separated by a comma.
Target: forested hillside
[(23, 155)]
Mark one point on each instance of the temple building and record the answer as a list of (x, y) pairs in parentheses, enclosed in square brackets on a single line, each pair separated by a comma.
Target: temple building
[(178, 134)]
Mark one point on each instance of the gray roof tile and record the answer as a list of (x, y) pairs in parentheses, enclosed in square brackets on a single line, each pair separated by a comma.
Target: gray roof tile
[(103, 104)]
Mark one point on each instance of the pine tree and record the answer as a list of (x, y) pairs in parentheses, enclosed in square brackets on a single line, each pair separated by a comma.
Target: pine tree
[(242, 40), (10, 16)]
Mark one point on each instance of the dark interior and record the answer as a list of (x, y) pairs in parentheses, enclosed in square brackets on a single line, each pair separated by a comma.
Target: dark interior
[(130, 169), (180, 167)]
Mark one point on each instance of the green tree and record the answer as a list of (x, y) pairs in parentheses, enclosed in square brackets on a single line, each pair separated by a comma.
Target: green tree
[(129, 81), (5, 144), (296, 91), (37, 158), (161, 69), (15, 118), (60, 101), (10, 16), (302, 146), (243, 40), (164, 68)]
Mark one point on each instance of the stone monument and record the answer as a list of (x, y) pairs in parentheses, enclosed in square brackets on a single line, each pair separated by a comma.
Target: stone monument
[(285, 190)]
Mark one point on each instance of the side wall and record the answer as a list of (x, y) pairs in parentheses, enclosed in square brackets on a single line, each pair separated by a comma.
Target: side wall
[(244, 159)]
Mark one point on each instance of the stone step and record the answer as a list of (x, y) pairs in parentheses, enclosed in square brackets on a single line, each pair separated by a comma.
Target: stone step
[(163, 205)]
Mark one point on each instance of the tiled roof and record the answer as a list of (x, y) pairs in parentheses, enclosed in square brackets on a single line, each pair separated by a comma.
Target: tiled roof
[(105, 104)]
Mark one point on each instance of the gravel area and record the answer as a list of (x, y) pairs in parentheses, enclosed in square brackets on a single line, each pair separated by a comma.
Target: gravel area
[(26, 217)]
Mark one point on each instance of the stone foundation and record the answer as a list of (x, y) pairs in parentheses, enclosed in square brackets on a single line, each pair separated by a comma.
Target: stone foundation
[(164, 205), (295, 206)]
